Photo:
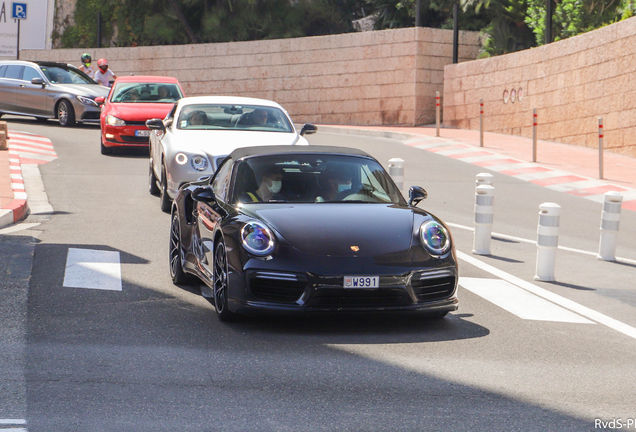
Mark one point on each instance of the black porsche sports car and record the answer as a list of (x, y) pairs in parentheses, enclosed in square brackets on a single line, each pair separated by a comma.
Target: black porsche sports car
[(313, 229)]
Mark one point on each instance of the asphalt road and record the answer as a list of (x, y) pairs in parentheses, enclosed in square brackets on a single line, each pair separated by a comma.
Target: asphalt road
[(154, 357)]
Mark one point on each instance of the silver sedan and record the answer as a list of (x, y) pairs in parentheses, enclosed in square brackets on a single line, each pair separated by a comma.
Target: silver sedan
[(47, 90), (200, 131)]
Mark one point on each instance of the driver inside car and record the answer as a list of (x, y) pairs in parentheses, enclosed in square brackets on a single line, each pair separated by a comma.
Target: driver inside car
[(271, 182), (334, 182)]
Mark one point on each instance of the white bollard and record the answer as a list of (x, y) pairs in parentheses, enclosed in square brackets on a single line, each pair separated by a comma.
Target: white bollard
[(396, 171), (484, 201), (610, 219), (547, 241), (484, 178)]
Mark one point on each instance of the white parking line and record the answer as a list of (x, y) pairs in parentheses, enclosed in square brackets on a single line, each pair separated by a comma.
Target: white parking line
[(554, 298), (519, 301), (93, 269)]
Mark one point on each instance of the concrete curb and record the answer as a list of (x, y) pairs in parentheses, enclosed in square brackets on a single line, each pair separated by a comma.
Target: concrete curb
[(18, 209)]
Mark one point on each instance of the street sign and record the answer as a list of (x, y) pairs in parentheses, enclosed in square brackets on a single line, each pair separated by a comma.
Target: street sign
[(19, 11)]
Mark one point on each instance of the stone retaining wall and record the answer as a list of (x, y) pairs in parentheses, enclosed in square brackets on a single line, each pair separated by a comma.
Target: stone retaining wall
[(384, 77), (571, 83)]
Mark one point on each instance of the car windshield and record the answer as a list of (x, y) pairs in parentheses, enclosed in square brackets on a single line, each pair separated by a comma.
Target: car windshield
[(234, 117), (146, 93), (65, 75), (313, 178)]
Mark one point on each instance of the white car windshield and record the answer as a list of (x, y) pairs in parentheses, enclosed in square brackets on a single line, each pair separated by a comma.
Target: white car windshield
[(234, 117), (313, 178), (128, 92)]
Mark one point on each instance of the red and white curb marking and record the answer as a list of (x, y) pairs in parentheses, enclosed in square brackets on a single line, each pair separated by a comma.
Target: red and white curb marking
[(24, 148), (32, 149), (588, 188)]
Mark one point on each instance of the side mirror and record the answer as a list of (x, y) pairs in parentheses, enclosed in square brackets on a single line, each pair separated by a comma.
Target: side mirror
[(37, 81), (416, 194), (308, 129), (203, 194), (156, 124), (100, 100)]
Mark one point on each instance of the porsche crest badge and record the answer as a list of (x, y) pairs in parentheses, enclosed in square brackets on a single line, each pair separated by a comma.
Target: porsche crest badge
[(355, 248)]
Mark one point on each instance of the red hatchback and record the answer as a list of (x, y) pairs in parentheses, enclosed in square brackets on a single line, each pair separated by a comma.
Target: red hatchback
[(132, 101)]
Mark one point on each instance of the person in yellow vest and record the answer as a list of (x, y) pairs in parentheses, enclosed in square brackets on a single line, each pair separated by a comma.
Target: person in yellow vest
[(271, 182)]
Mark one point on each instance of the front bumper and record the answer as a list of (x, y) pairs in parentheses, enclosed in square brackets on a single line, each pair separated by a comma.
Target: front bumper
[(117, 136), (432, 290)]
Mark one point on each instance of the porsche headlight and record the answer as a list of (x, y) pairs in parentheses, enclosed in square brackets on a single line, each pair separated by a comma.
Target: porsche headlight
[(114, 121), (199, 163), (87, 101), (435, 238), (257, 239)]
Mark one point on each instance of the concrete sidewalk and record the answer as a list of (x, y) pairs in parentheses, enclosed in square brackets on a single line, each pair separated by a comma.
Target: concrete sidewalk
[(567, 168), (563, 167)]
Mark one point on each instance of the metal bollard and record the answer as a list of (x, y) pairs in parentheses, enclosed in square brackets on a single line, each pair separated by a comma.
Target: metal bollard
[(484, 202), (481, 122), (547, 240), (437, 114), (534, 135), (600, 147), (396, 171), (610, 219)]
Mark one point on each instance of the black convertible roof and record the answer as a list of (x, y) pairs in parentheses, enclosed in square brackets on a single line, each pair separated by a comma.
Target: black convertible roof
[(294, 149)]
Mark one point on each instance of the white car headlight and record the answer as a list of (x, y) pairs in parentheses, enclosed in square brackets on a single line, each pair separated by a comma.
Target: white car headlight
[(87, 101), (114, 121), (257, 239), (435, 238), (181, 158), (199, 163)]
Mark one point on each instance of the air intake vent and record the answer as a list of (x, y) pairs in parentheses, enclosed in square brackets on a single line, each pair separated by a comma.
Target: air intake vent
[(277, 287)]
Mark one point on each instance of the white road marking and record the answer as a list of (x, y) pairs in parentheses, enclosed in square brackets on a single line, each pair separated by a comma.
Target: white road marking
[(93, 269), (519, 301), (522, 240), (12, 421), (554, 298)]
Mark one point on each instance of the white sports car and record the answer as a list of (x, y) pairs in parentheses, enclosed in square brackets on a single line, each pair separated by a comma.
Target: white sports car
[(200, 131)]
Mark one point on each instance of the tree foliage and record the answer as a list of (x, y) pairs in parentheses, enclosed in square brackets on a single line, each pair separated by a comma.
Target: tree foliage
[(506, 25)]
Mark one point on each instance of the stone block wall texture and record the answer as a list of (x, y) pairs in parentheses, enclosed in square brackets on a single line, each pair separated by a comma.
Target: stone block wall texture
[(386, 77), (571, 83)]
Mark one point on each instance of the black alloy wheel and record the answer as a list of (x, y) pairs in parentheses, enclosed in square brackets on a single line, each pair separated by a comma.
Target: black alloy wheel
[(176, 267), (66, 114), (221, 283), (165, 198), (152, 181)]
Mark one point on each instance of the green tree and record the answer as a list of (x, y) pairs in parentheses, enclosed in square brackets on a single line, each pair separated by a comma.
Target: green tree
[(573, 17)]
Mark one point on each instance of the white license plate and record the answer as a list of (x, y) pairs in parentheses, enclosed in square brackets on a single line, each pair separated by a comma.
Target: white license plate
[(361, 281), (142, 133)]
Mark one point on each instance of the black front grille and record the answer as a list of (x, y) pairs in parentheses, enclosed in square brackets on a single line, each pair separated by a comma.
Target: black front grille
[(91, 115), (136, 139), (433, 288), (352, 298), (277, 287), (135, 123)]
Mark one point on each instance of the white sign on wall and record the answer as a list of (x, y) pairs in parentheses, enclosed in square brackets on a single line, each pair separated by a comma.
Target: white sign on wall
[(35, 32)]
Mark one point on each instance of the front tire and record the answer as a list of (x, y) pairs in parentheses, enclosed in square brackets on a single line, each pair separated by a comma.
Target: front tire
[(66, 114), (152, 181), (105, 150), (176, 266), (221, 283), (166, 202)]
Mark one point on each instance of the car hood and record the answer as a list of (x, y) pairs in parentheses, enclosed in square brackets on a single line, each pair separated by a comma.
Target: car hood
[(333, 229), (89, 90), (140, 111), (222, 142)]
